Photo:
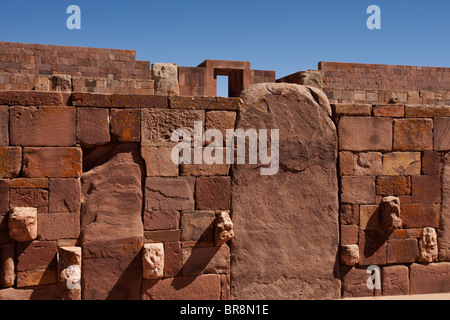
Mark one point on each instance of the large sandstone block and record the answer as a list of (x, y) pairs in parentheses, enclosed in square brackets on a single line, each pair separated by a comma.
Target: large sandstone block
[(54, 226), (365, 134), (93, 126), (111, 226), (10, 161), (4, 125), (169, 193), (64, 195), (441, 134), (401, 163), (277, 242), (125, 124), (413, 134), (395, 280), (57, 162), (42, 126), (430, 278), (444, 223)]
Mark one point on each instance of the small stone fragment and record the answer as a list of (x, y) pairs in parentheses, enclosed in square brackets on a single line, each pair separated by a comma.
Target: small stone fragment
[(153, 260), (390, 213), (22, 224), (224, 229), (350, 254), (428, 248)]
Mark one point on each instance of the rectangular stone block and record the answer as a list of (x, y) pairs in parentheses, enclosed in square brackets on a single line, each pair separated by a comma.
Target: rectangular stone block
[(372, 247), (367, 164), (57, 162), (93, 126), (402, 251), (173, 259), (354, 282), (161, 220), (401, 163), (42, 126), (358, 190), (4, 196), (37, 277), (349, 214), (393, 185), (166, 193), (4, 125), (163, 236), (119, 100), (365, 134), (200, 260), (203, 287), (220, 120), (213, 193), (393, 111), (424, 111), (395, 280), (10, 162), (35, 255), (33, 98), (32, 183), (125, 124), (420, 215), (157, 125), (65, 195), (349, 234), (198, 225), (344, 109), (426, 189), (28, 198), (54, 226), (442, 134), (431, 163), (159, 162), (345, 163), (205, 103), (413, 134), (429, 278), (369, 217)]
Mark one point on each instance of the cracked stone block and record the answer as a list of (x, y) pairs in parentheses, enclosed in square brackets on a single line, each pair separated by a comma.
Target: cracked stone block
[(153, 260), (428, 247), (22, 224), (350, 254), (224, 228), (69, 272), (390, 213)]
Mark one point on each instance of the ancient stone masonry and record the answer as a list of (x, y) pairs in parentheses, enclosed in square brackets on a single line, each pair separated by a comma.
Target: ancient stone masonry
[(93, 207)]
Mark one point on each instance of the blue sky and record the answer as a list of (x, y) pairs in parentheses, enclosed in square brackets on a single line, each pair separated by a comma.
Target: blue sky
[(285, 35)]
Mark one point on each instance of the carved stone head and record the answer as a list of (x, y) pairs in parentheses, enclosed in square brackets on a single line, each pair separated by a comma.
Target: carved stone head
[(428, 245), (390, 213), (224, 228)]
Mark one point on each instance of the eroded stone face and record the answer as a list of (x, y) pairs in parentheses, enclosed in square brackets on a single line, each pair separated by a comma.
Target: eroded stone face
[(69, 270), (22, 224), (390, 213), (153, 260), (428, 245), (165, 76), (350, 254), (224, 228)]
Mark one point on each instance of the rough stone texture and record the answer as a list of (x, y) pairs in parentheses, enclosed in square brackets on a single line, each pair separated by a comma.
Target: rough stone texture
[(354, 282), (49, 292), (345, 163), (208, 103), (4, 196), (349, 234), (111, 226), (441, 134), (270, 232), (429, 278), (158, 124), (213, 193), (172, 259), (349, 214), (372, 247), (220, 120), (428, 247), (61, 83), (413, 134), (10, 161), (420, 215), (401, 163), (33, 98), (426, 189), (402, 251), (32, 183), (92, 126), (161, 220), (444, 223), (158, 162), (199, 260), (393, 185), (64, 195), (54, 226), (7, 268), (37, 198), (163, 194), (4, 125), (165, 76), (42, 126), (350, 254), (37, 277), (69, 272), (431, 163), (125, 124), (153, 260), (358, 189), (197, 225), (204, 287), (162, 236), (390, 213), (395, 280), (365, 134), (368, 164), (224, 229), (22, 224), (57, 162)]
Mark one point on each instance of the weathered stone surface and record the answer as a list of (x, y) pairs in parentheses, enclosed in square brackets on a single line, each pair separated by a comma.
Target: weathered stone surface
[(69, 272), (307, 182), (162, 236), (402, 251), (390, 213), (372, 247), (32, 183), (203, 287), (165, 76), (199, 260), (429, 278), (10, 161), (22, 224), (395, 280), (224, 229), (111, 226), (197, 225), (220, 120), (426, 189), (442, 134), (125, 124), (358, 189), (345, 163), (4, 196), (349, 234), (428, 247), (431, 163), (93, 126), (365, 134), (368, 164), (36, 255), (42, 126), (158, 162), (393, 185), (401, 163), (64, 195), (161, 220), (48, 292), (54, 226), (4, 125), (346, 109), (444, 223), (61, 83), (36, 277), (394, 111), (349, 214), (37, 198), (153, 261), (172, 259), (213, 193), (169, 193), (420, 215), (413, 134), (158, 124), (7, 268), (33, 98), (354, 282), (350, 254), (57, 162), (82, 99), (205, 103)]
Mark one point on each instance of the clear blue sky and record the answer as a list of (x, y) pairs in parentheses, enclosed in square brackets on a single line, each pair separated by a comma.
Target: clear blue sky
[(285, 35)]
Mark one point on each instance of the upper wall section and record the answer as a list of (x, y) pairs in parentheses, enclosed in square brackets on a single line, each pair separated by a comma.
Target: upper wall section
[(384, 77)]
